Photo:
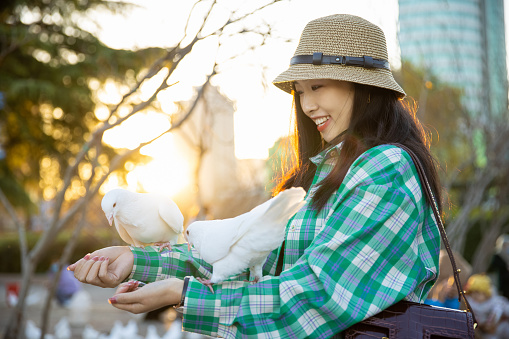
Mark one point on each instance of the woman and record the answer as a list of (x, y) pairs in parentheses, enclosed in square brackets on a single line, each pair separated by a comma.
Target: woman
[(365, 239)]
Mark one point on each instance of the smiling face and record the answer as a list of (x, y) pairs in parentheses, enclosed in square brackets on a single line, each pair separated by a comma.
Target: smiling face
[(328, 103)]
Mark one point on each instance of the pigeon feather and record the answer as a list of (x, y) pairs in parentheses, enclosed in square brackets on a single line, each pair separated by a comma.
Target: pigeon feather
[(232, 245), (143, 219)]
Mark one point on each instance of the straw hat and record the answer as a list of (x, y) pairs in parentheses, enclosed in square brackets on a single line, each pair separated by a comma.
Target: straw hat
[(341, 47)]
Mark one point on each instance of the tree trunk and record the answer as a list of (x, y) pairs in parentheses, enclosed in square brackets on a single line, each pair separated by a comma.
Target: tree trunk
[(482, 257), (68, 250), (458, 228), (15, 324)]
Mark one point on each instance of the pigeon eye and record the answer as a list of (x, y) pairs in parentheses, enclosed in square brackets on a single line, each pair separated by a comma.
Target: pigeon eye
[(115, 204), (187, 232)]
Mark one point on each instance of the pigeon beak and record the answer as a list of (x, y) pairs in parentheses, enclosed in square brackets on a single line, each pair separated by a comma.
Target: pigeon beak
[(110, 218)]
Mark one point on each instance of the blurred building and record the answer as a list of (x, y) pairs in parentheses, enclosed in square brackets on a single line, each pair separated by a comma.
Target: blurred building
[(462, 42), (224, 185)]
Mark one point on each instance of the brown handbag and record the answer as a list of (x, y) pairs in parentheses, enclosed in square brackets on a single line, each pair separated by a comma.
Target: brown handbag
[(413, 320)]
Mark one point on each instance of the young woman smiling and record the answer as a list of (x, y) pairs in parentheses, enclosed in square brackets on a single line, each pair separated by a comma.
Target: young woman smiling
[(366, 237)]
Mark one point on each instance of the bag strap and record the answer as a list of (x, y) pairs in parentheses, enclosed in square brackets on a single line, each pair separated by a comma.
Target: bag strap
[(279, 267), (434, 206)]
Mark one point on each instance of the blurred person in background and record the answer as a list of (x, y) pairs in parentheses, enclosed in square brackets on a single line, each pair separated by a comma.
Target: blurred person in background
[(67, 285), (444, 294), (491, 310)]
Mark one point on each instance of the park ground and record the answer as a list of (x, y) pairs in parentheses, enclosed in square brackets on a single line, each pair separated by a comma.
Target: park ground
[(100, 314)]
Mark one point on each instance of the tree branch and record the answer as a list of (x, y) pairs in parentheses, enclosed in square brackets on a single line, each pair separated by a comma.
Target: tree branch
[(19, 225)]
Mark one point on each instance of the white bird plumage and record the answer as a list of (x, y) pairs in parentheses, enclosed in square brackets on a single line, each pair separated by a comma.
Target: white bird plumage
[(90, 332), (63, 329), (175, 330), (34, 332), (143, 219), (232, 245), (152, 332)]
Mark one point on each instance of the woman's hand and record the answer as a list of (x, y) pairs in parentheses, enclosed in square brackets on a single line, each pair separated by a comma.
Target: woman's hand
[(132, 298), (106, 267)]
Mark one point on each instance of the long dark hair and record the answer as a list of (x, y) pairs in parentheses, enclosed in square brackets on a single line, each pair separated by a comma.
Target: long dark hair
[(378, 117)]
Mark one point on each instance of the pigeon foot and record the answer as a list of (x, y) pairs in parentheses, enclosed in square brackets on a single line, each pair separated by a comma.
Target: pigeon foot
[(206, 282), (254, 281), (163, 245)]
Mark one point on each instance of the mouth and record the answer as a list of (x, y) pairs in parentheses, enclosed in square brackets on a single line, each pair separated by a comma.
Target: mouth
[(321, 122)]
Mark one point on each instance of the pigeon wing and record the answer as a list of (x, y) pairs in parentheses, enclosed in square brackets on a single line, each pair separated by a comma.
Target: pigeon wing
[(268, 223), (170, 213), (284, 205), (220, 235), (123, 233)]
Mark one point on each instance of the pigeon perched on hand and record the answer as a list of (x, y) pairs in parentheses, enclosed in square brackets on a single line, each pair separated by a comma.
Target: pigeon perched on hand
[(232, 245), (143, 219)]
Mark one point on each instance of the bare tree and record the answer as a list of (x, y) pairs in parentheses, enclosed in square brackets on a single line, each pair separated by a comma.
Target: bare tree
[(486, 189), (91, 149)]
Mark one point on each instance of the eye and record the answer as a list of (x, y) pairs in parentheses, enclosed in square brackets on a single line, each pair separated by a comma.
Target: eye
[(315, 87), (187, 232), (115, 204)]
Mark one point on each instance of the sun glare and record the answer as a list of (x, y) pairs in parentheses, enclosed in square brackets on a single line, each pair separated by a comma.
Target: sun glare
[(168, 172), (141, 127)]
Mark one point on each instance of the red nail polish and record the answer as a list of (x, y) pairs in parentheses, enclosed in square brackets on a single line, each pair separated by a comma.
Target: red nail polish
[(95, 258), (87, 257), (112, 300), (102, 258)]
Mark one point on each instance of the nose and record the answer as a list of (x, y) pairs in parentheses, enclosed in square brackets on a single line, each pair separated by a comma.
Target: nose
[(308, 104)]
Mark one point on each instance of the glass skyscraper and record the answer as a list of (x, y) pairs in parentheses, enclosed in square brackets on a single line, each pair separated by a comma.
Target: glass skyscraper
[(462, 42)]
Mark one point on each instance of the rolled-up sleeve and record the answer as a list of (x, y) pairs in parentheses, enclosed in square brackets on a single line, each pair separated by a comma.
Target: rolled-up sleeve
[(151, 265)]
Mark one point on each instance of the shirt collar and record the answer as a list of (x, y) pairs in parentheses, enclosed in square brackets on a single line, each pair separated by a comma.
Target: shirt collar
[(329, 152)]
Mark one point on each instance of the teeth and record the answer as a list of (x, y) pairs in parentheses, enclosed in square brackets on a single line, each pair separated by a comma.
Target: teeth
[(320, 121)]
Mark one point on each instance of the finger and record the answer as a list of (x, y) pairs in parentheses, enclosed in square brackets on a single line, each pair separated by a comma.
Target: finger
[(79, 263), (133, 308), (92, 276), (131, 302), (103, 270), (129, 286), (123, 288), (131, 297), (82, 269)]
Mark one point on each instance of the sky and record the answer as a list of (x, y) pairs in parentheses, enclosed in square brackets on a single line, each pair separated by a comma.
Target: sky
[(262, 112)]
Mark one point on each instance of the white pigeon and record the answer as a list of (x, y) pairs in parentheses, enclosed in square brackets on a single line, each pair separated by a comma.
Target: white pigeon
[(117, 331), (34, 332), (143, 219), (130, 330), (152, 332), (175, 330), (63, 329), (232, 245), (90, 332)]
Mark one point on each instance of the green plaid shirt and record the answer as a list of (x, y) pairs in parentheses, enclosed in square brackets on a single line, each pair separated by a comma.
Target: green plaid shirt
[(375, 243)]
